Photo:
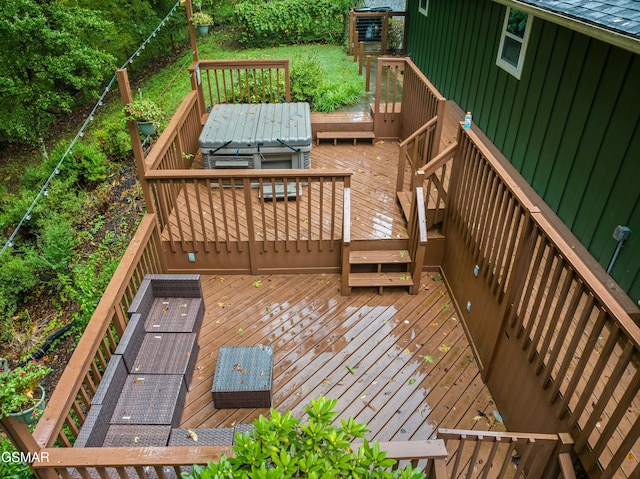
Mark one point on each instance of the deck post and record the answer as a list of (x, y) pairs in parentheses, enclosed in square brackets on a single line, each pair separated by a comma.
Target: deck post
[(192, 30), (367, 81), (136, 145), (24, 442)]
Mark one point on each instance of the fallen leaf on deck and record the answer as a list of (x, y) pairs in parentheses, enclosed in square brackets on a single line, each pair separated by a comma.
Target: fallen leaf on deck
[(164, 310), (220, 279), (411, 381), (444, 348), (192, 435), (257, 284), (498, 417), (351, 370), (240, 331), (428, 359), (136, 439)]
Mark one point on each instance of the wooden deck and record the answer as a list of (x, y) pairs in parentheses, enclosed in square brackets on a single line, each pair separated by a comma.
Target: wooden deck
[(375, 211), (398, 362)]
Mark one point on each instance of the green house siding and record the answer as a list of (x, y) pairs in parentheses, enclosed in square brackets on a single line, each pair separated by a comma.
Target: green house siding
[(570, 125)]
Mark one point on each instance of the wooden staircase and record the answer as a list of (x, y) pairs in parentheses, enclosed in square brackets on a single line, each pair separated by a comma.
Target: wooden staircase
[(378, 268), (336, 126)]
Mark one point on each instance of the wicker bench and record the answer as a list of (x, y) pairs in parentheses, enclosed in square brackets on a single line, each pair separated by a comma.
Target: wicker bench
[(143, 390)]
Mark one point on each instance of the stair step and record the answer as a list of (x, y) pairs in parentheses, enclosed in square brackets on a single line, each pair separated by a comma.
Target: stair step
[(379, 257), (336, 135), (380, 279)]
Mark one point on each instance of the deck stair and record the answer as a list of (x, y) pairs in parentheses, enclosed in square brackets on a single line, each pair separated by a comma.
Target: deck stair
[(342, 126), (379, 268), (434, 215)]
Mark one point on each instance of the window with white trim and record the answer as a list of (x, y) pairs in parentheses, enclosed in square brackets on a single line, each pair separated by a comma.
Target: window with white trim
[(423, 7), (513, 42)]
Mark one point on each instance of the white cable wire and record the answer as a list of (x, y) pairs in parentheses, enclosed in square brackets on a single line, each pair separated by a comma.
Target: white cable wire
[(44, 190)]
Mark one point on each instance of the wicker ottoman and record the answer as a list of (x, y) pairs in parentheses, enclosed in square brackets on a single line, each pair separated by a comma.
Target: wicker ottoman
[(151, 399), (243, 377)]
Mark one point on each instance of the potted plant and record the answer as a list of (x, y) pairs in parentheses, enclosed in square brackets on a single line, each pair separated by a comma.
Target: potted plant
[(21, 394), (202, 21), (146, 113)]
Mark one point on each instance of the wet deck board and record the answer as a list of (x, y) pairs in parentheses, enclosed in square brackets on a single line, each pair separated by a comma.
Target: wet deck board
[(367, 350)]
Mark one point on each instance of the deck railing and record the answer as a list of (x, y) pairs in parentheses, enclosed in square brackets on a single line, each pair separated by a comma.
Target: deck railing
[(72, 397), (475, 454), (415, 152), (460, 454), (405, 100), (240, 81), (434, 178), (556, 347), (178, 144)]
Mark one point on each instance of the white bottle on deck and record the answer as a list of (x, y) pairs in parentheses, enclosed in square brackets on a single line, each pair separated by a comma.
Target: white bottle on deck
[(467, 121)]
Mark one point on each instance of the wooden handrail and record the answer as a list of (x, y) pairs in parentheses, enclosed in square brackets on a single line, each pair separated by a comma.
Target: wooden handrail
[(419, 131), (434, 165), (250, 174), (199, 68), (524, 197), (87, 459), (169, 134)]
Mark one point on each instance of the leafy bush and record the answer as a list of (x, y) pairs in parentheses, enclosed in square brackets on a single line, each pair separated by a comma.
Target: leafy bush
[(332, 97), (306, 77), (56, 245), (86, 163), (114, 140), (281, 447), (18, 278), (278, 22)]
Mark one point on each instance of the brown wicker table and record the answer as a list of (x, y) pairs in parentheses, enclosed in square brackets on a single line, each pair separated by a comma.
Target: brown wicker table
[(243, 377), (151, 399)]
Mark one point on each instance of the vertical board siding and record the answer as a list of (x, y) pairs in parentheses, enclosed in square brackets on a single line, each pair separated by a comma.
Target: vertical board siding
[(570, 125)]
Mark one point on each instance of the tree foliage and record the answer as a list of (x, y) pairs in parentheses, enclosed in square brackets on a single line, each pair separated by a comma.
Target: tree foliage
[(281, 447), (49, 60)]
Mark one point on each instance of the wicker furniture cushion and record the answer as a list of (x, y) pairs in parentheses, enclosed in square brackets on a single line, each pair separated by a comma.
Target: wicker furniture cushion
[(167, 353), (175, 315), (151, 399), (125, 435), (243, 377), (218, 436)]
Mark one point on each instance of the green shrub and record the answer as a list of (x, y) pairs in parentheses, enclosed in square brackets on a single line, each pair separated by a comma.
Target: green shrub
[(282, 447), (114, 140), (89, 163), (18, 278), (332, 97), (291, 21), (56, 244), (306, 77)]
